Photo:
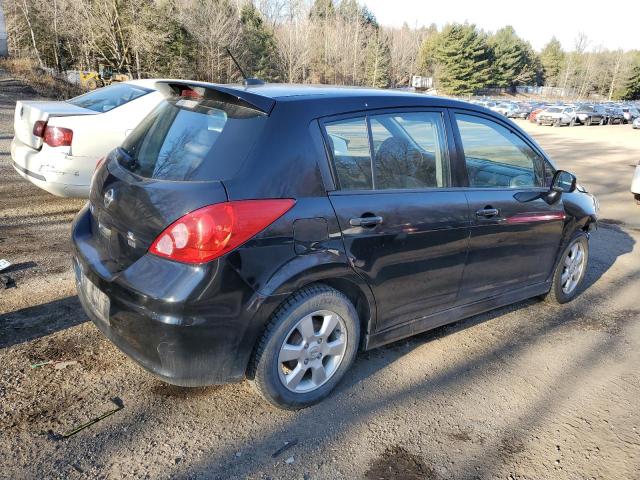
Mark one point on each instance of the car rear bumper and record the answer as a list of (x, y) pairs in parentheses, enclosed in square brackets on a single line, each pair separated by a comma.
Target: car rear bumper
[(180, 322), (52, 170)]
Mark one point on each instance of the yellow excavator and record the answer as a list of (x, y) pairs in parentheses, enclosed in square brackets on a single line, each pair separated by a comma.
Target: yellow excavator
[(104, 76)]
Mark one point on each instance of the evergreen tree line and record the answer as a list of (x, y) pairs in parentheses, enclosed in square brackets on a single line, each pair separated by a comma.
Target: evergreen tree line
[(303, 41)]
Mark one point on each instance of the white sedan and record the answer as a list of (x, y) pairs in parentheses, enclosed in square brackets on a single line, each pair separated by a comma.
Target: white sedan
[(57, 144), (557, 116)]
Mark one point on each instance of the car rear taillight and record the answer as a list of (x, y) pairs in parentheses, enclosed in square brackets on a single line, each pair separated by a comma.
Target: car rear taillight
[(190, 93), (53, 136), (209, 232), (58, 136), (38, 128)]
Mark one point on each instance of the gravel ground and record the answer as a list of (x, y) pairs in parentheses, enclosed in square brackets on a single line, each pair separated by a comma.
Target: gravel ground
[(531, 391)]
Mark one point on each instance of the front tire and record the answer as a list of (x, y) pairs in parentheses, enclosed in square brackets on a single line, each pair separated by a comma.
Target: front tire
[(570, 270), (309, 344)]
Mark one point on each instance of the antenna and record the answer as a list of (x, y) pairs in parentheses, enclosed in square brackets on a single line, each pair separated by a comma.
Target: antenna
[(246, 80), (244, 76)]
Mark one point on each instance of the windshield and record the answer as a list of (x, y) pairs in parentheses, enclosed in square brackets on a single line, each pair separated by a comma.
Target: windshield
[(554, 110), (108, 98), (192, 139)]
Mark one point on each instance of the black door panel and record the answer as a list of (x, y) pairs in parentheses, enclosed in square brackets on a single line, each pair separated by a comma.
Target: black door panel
[(514, 248), (515, 233), (413, 260)]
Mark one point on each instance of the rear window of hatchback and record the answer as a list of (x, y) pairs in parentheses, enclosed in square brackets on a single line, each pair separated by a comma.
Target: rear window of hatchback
[(192, 139)]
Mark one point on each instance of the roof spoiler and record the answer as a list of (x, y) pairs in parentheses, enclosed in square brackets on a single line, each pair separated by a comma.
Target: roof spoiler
[(235, 95)]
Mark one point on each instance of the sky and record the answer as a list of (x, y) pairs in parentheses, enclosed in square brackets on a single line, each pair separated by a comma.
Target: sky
[(608, 24)]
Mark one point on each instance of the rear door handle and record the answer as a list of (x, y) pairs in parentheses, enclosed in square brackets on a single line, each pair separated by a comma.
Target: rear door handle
[(366, 222), (488, 212)]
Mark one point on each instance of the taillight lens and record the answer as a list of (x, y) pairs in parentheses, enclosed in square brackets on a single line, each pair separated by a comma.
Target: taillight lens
[(58, 136), (38, 128), (209, 232)]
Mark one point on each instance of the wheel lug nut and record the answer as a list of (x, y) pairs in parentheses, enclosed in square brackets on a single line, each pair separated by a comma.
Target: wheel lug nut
[(306, 345), (319, 340), (306, 361)]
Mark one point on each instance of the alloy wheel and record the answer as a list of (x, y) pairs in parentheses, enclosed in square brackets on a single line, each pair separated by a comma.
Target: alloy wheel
[(573, 268), (312, 351)]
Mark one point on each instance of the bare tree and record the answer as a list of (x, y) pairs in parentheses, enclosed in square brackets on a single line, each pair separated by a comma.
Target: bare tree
[(214, 25), (24, 7), (292, 39)]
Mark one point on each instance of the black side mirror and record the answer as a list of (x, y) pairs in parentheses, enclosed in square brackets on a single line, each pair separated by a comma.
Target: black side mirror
[(563, 182)]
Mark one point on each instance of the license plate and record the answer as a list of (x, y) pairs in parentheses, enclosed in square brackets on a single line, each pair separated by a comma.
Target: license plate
[(98, 301)]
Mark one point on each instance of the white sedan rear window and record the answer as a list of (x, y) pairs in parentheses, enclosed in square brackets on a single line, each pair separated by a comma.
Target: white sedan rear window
[(108, 98)]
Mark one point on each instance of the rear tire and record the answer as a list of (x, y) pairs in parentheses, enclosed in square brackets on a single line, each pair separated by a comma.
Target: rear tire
[(307, 329), (570, 270), (588, 122)]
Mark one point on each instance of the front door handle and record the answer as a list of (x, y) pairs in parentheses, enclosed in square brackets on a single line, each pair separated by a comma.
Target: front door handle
[(488, 212), (366, 222)]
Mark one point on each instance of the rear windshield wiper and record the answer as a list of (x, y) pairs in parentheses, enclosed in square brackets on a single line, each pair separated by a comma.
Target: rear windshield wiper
[(126, 160)]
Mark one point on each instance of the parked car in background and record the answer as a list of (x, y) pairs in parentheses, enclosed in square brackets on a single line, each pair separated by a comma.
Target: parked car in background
[(603, 111), (523, 111), (636, 123), (630, 114), (58, 143), (556, 116), (615, 115), (589, 115), (270, 232), (507, 109), (533, 116)]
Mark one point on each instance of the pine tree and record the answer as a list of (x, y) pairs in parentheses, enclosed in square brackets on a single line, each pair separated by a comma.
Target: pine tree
[(463, 59), (552, 60), (427, 55), (378, 62), (512, 59), (258, 45), (631, 90), (322, 10)]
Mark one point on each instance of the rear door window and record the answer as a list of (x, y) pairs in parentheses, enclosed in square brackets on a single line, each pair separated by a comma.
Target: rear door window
[(192, 139), (409, 151), (405, 151), (496, 157), (107, 98)]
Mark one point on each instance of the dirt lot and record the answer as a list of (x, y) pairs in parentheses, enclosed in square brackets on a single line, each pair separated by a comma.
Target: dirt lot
[(531, 391)]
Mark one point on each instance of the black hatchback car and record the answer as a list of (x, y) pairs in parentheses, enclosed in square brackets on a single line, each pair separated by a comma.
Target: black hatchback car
[(270, 232)]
